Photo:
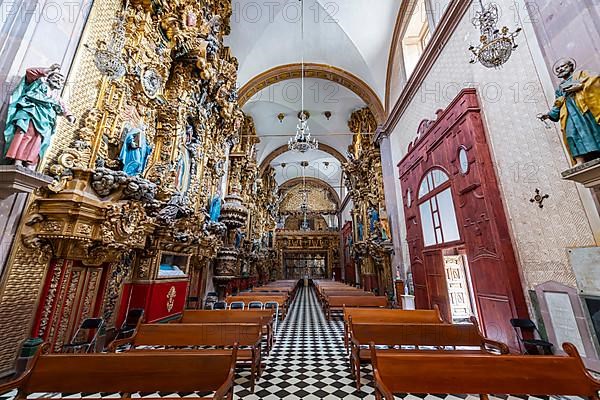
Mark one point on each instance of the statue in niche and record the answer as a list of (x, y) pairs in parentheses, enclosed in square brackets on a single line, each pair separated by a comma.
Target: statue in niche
[(213, 44), (373, 220), (135, 151), (33, 110), (215, 207), (384, 226), (577, 108), (180, 173), (239, 238), (360, 229)]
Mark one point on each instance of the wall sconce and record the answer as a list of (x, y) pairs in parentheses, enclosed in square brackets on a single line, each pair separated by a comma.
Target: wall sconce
[(327, 115), (281, 117)]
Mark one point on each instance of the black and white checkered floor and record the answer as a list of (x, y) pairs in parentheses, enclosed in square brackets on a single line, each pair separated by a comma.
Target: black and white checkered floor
[(308, 361)]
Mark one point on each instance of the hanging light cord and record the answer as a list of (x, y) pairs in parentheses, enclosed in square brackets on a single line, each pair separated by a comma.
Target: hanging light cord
[(302, 51)]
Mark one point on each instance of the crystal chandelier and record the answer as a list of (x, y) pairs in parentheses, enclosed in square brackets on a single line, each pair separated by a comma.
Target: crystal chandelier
[(496, 45), (108, 55), (302, 142)]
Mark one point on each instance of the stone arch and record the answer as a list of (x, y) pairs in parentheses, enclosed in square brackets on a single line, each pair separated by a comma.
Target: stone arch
[(283, 149), (318, 71)]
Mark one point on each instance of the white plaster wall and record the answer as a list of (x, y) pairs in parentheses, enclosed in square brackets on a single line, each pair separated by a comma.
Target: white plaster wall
[(526, 154)]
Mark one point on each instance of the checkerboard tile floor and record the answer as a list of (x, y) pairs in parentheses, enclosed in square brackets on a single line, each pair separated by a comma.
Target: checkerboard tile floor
[(308, 361)]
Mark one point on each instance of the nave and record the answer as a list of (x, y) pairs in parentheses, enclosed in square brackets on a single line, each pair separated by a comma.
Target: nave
[(308, 361)]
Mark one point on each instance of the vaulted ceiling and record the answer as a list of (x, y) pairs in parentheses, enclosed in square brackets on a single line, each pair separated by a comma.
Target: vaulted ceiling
[(349, 36)]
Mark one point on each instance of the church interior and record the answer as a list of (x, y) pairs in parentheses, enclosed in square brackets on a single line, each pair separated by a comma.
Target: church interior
[(300, 199)]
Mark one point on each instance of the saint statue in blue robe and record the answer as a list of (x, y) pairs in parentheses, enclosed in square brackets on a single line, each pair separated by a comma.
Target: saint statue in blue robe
[(134, 152), (373, 219), (215, 207), (239, 237), (577, 108)]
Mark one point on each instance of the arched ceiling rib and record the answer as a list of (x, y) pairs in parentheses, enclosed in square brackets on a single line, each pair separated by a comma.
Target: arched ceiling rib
[(284, 98), (252, 90), (346, 46), (314, 182), (354, 36)]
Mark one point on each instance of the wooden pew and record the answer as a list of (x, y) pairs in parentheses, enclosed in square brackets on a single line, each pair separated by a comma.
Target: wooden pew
[(341, 291), (262, 317), (263, 293), (382, 315), (339, 287), (128, 373), (338, 303), (455, 373), (262, 297), (269, 289), (416, 335), (351, 292), (184, 336)]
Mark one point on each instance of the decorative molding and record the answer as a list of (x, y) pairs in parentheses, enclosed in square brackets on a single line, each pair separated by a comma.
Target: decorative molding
[(312, 70), (587, 174), (441, 35), (18, 179)]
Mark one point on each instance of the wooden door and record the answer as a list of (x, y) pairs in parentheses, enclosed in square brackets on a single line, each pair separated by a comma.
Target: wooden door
[(459, 293), (435, 276), (456, 143)]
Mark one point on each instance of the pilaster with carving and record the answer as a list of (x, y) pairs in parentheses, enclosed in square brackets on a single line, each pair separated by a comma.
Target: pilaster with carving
[(364, 181)]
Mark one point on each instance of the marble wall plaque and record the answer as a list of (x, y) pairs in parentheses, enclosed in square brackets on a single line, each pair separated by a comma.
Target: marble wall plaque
[(563, 320), (585, 262)]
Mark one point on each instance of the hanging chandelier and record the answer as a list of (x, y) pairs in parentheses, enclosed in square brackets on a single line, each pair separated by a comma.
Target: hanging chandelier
[(108, 55), (496, 45), (302, 142)]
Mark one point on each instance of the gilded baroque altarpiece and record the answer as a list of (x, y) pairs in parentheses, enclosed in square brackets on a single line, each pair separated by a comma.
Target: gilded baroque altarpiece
[(96, 227)]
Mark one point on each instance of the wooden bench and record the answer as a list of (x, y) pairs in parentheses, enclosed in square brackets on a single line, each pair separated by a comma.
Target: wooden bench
[(185, 336), (263, 293), (322, 297), (272, 289), (382, 315), (262, 317), (338, 287), (455, 373), (263, 298), (437, 336), (338, 303), (128, 373)]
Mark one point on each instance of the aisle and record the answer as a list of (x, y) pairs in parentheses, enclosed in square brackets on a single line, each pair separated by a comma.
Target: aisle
[(308, 361)]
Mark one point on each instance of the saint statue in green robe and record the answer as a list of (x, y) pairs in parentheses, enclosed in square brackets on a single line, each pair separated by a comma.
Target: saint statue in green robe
[(577, 108), (32, 113)]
